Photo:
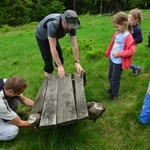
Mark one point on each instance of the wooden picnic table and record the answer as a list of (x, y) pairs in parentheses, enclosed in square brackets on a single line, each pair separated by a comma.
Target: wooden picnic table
[(61, 101)]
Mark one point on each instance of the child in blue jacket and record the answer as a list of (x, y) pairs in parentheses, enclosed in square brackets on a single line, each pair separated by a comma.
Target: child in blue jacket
[(144, 116)]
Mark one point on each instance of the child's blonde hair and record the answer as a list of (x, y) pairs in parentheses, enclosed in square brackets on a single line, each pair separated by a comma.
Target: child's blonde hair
[(121, 18), (136, 13)]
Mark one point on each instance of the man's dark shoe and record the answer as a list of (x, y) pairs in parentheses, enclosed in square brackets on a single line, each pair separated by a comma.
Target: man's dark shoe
[(108, 91), (112, 97), (137, 71)]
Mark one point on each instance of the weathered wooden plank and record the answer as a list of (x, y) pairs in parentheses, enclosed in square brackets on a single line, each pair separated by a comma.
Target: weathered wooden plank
[(48, 117), (61, 101), (66, 113), (38, 105), (81, 105)]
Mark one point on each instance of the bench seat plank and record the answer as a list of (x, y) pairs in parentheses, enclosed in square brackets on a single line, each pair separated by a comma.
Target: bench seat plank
[(49, 113), (39, 100), (66, 104), (81, 105)]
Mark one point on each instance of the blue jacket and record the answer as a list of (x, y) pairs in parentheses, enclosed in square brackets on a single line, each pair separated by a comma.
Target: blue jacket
[(144, 116), (137, 34)]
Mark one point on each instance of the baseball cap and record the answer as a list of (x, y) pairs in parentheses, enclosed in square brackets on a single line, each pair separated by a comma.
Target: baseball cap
[(71, 19)]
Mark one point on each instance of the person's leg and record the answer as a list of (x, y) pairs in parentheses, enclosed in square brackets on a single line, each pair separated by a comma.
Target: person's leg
[(115, 81), (132, 66), (110, 71), (136, 69), (144, 116), (46, 55), (7, 131)]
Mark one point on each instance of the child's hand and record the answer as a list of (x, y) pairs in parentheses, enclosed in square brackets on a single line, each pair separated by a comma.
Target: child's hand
[(115, 54)]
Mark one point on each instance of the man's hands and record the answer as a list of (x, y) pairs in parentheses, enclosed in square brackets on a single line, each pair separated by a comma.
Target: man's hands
[(34, 119), (78, 67), (61, 72)]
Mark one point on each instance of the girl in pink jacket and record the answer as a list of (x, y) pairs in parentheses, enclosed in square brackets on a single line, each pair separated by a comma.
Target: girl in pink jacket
[(120, 52)]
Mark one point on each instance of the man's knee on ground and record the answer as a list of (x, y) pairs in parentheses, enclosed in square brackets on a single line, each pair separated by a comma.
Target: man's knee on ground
[(11, 133)]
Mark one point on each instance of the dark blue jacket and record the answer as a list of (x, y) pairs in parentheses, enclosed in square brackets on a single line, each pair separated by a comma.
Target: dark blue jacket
[(137, 34)]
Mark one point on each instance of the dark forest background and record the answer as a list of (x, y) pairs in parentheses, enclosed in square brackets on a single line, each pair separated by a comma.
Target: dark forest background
[(18, 12)]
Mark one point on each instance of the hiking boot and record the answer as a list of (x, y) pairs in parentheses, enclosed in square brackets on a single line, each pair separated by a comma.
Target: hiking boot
[(112, 97), (136, 71), (108, 91)]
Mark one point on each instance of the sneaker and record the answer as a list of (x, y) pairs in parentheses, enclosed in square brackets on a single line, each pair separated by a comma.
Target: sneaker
[(137, 71), (133, 71), (112, 97), (108, 91)]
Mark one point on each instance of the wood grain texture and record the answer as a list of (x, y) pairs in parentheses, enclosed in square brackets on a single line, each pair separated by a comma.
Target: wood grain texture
[(61, 101), (66, 105), (81, 105), (49, 113), (39, 100)]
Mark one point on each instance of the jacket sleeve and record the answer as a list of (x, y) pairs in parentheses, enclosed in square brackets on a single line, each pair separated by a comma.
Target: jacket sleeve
[(109, 48), (138, 36), (129, 47)]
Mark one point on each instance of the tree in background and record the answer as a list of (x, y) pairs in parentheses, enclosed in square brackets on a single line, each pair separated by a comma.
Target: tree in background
[(83, 6), (45, 7), (16, 12), (141, 4)]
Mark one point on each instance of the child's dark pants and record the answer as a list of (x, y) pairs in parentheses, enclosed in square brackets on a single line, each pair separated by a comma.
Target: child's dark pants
[(114, 76)]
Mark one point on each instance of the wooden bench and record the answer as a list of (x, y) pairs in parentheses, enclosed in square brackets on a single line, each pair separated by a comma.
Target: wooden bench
[(61, 101)]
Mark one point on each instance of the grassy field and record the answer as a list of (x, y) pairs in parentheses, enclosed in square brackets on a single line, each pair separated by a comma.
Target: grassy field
[(118, 128)]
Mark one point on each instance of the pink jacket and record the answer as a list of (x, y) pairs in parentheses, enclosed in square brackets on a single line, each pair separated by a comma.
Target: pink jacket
[(126, 54)]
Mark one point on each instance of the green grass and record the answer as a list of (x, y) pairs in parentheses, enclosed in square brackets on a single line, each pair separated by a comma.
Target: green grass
[(118, 128)]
